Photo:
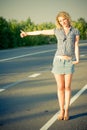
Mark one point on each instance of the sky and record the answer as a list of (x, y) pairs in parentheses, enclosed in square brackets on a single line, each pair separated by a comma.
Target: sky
[(41, 11)]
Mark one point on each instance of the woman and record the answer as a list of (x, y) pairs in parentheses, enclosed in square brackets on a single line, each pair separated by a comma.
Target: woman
[(66, 56)]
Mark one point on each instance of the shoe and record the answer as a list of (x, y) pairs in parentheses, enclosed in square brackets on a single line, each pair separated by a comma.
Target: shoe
[(61, 115)]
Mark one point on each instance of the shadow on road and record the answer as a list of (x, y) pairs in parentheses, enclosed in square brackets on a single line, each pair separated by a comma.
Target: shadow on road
[(78, 115)]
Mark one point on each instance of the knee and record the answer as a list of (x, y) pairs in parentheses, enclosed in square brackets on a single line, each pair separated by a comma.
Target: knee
[(61, 88), (67, 88)]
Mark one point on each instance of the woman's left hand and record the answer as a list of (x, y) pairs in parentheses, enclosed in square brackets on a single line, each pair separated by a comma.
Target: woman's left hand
[(75, 62)]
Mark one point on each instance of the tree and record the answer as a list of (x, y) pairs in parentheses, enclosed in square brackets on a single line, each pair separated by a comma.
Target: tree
[(82, 26), (4, 33), (10, 32), (15, 34)]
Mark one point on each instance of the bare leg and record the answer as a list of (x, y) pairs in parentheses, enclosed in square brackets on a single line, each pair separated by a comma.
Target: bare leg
[(68, 79), (60, 79)]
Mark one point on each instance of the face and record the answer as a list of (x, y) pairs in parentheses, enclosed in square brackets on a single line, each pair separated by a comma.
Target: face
[(63, 21)]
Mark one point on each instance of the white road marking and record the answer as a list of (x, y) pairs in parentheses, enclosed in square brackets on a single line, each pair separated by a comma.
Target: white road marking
[(13, 84), (82, 55), (1, 90), (78, 94), (54, 118), (21, 56), (34, 75), (31, 54), (17, 82)]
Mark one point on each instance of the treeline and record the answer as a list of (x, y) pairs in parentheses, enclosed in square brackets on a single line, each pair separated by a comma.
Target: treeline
[(10, 32)]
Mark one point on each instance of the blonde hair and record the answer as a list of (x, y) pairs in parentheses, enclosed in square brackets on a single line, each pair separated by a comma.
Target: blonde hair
[(65, 15)]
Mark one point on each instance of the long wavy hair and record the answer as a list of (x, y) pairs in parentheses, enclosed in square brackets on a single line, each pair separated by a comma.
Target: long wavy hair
[(65, 15)]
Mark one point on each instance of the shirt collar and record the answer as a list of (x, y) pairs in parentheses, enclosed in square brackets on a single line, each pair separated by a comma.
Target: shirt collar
[(62, 30)]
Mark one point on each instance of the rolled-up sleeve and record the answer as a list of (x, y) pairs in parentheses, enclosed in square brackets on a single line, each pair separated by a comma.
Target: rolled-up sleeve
[(77, 32)]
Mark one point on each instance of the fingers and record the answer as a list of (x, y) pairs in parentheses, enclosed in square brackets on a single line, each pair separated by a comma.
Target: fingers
[(75, 62), (22, 34)]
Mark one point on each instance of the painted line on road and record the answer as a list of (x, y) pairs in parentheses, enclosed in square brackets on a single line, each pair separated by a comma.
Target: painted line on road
[(34, 75), (11, 85), (16, 57), (82, 55), (1, 90), (54, 118), (20, 81), (22, 56)]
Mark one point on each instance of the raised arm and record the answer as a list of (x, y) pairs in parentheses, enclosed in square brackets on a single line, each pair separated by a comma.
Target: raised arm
[(42, 32)]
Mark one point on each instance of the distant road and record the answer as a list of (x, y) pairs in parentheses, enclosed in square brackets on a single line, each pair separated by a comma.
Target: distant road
[(44, 56)]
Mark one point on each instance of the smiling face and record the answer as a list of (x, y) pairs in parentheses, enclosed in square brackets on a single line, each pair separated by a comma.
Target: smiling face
[(63, 22), (63, 19)]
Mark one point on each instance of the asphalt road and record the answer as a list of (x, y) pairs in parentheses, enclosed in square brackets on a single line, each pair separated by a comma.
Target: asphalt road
[(28, 99)]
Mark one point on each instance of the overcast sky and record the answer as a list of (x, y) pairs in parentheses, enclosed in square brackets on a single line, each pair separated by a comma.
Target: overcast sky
[(42, 10)]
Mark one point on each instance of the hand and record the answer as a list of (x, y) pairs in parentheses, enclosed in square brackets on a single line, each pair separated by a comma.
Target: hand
[(75, 62), (23, 34)]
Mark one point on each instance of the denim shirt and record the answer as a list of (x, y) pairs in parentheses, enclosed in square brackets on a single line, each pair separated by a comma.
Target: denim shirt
[(66, 43)]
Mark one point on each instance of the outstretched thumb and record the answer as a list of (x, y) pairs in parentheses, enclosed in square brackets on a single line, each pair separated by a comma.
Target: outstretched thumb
[(21, 31)]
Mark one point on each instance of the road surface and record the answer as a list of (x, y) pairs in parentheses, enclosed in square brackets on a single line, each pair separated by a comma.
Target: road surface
[(28, 99)]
